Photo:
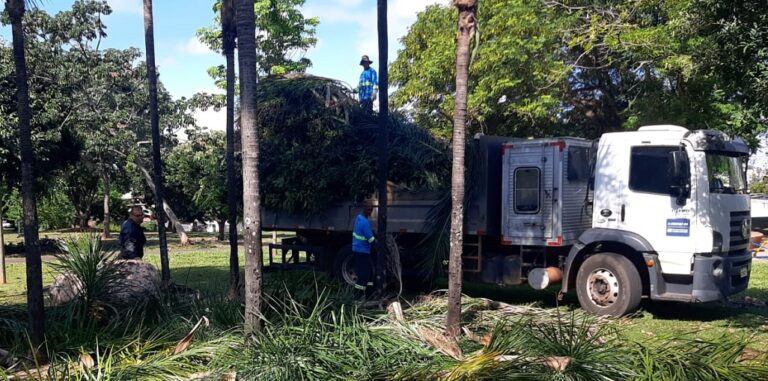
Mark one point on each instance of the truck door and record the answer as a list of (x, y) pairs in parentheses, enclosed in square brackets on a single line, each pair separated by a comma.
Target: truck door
[(529, 215), (650, 211)]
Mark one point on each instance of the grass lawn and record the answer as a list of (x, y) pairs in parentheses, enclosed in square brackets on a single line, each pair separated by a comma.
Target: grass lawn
[(204, 266), (746, 314)]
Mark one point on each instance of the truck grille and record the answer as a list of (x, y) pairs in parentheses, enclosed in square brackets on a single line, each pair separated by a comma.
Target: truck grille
[(737, 240)]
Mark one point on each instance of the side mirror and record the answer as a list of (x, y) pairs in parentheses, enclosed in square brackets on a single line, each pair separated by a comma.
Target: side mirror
[(680, 176)]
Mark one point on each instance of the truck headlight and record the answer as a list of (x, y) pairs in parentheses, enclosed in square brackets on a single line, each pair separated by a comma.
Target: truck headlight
[(717, 242)]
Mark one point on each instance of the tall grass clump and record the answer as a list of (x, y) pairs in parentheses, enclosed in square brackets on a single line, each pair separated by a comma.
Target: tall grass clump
[(323, 341), (151, 356), (687, 359), (92, 271), (503, 342)]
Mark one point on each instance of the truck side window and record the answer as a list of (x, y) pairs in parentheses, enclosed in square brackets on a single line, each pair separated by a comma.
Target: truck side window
[(578, 164), (527, 190), (649, 169)]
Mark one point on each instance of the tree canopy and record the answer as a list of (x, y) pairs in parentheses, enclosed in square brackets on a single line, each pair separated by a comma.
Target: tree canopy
[(543, 68), (283, 37), (89, 110)]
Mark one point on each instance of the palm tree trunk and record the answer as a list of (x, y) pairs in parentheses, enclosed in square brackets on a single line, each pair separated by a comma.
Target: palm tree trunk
[(228, 35), (2, 245), (83, 220), (466, 25), (106, 220), (35, 307), (149, 40), (381, 145), (221, 223), (246, 32)]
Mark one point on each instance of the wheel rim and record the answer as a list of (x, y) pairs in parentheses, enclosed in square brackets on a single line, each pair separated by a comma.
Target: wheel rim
[(348, 270), (603, 288)]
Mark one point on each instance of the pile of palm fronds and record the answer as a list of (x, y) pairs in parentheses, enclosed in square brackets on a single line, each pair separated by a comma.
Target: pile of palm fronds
[(502, 341), (318, 147), (311, 332)]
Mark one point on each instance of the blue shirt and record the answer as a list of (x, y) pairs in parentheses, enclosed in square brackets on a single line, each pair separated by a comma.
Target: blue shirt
[(362, 235), (369, 82)]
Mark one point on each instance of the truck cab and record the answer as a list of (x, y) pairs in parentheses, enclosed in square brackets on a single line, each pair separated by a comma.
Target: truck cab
[(670, 221)]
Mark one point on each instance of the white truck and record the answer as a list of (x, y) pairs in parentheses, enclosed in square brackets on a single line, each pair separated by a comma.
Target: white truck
[(661, 213)]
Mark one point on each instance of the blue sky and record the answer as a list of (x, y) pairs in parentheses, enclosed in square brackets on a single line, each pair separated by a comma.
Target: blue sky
[(347, 30)]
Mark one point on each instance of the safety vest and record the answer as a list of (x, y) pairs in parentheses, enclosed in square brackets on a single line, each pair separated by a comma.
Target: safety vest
[(362, 235), (369, 82)]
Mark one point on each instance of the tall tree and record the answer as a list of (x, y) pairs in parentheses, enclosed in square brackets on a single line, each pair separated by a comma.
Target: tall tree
[(246, 44), (149, 40), (284, 37), (35, 307), (586, 67), (467, 26), (381, 144), (2, 240), (196, 171), (2, 244), (228, 34)]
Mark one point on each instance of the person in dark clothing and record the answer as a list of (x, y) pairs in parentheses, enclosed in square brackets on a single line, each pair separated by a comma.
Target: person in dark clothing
[(362, 238), (132, 237)]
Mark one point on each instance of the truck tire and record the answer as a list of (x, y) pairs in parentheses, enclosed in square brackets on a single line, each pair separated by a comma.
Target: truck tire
[(609, 284), (344, 266)]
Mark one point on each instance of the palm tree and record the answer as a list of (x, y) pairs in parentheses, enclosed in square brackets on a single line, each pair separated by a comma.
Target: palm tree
[(228, 34), (381, 144), (35, 307), (2, 244), (467, 23), (106, 222), (154, 118), (245, 19)]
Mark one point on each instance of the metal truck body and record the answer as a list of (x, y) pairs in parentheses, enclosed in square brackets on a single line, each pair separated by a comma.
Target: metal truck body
[(659, 213)]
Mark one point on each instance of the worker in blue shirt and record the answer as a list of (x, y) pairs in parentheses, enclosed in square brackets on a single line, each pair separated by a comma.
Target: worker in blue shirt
[(362, 239), (368, 86)]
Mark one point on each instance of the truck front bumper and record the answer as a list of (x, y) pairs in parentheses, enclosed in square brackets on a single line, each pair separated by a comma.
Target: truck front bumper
[(714, 277)]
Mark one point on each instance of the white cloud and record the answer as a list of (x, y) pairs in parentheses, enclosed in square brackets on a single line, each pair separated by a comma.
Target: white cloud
[(167, 62), (401, 14), (214, 120), (347, 3), (127, 6), (193, 46), (343, 11)]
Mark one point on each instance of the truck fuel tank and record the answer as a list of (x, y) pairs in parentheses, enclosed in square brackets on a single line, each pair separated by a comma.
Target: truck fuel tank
[(541, 278), (502, 270)]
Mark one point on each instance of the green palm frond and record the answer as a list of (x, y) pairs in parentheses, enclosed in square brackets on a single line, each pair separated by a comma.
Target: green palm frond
[(316, 137), (85, 258)]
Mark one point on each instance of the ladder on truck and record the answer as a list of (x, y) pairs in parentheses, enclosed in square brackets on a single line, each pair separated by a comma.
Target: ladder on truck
[(472, 254)]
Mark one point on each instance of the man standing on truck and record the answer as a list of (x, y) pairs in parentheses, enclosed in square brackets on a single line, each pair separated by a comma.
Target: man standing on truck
[(362, 238), (368, 86)]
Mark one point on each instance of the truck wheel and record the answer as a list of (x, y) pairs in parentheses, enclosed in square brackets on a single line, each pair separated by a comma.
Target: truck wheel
[(344, 265), (608, 284)]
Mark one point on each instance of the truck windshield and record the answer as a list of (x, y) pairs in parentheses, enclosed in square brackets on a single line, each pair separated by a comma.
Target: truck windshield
[(725, 174)]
